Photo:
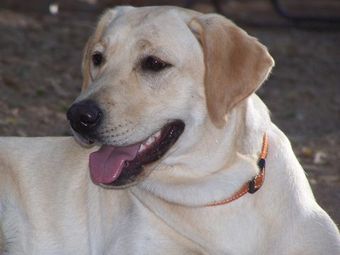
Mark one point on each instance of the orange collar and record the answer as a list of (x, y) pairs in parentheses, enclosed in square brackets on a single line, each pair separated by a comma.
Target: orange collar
[(254, 184)]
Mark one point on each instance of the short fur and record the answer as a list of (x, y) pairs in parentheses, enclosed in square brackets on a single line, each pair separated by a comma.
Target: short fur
[(48, 204)]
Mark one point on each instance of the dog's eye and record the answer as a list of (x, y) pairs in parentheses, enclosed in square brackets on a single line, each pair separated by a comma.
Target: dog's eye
[(97, 58), (152, 63)]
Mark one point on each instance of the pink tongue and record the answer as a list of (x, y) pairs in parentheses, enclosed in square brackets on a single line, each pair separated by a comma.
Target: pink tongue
[(107, 163)]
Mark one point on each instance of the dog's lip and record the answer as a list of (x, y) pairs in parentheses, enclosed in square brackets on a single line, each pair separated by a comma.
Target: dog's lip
[(86, 142), (118, 166)]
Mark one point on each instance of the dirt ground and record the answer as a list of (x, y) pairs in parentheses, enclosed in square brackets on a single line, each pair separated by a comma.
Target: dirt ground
[(40, 56)]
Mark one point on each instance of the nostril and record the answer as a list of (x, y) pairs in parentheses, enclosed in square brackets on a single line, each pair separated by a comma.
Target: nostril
[(84, 116), (89, 118)]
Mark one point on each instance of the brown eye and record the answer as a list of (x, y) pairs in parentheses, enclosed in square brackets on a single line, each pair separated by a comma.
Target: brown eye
[(97, 58), (153, 64)]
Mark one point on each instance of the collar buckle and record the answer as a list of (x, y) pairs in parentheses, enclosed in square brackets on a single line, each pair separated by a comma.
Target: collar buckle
[(254, 184), (252, 188)]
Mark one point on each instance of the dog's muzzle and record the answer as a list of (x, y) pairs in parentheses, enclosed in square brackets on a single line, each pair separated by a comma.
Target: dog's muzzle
[(85, 117)]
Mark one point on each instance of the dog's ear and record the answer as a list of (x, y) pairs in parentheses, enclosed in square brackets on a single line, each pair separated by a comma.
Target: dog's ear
[(104, 20), (236, 64)]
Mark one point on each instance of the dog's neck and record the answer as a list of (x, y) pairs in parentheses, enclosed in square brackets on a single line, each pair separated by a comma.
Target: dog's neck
[(219, 165)]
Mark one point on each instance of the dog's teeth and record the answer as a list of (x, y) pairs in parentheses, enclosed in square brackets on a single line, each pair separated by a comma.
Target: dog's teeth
[(158, 134), (150, 140), (141, 148)]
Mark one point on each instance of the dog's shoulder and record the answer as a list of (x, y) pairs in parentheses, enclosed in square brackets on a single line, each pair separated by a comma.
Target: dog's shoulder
[(311, 223), (19, 150), (313, 233), (31, 162), (36, 175)]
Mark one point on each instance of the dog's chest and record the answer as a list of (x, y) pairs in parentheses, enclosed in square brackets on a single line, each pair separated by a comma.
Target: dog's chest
[(208, 231), (141, 232), (156, 246)]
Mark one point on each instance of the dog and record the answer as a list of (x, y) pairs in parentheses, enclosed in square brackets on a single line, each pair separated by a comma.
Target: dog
[(174, 152)]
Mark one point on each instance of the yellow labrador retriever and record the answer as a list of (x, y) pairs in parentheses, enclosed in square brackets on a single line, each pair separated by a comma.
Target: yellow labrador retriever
[(178, 145)]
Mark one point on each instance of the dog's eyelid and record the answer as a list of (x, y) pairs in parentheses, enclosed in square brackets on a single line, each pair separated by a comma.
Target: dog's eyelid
[(98, 52), (99, 47), (154, 64)]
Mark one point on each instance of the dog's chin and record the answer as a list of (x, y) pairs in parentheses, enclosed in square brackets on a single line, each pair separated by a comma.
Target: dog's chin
[(84, 142), (119, 167)]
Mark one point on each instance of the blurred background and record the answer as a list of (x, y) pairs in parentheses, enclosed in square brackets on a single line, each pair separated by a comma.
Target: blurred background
[(41, 45)]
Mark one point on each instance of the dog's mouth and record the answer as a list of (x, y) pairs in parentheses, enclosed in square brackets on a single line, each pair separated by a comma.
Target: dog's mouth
[(122, 166)]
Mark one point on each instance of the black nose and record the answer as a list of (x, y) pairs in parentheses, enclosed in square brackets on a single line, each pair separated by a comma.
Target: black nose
[(84, 116)]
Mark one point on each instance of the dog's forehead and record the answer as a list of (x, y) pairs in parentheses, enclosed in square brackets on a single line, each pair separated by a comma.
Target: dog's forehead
[(136, 17), (155, 24)]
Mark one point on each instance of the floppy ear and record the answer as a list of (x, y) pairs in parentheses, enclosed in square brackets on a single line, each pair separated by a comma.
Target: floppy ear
[(236, 64), (105, 19)]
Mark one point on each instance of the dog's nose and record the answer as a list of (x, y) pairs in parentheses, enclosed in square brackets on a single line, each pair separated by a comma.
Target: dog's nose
[(84, 116)]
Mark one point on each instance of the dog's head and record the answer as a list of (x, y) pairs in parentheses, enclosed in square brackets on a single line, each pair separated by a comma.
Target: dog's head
[(153, 77)]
